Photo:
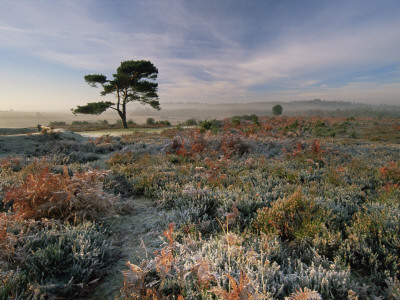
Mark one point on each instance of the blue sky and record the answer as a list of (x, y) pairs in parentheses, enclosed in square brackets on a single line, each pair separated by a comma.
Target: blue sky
[(206, 50)]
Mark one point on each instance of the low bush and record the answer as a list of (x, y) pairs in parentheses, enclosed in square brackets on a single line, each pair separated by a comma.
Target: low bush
[(191, 122), (373, 244), (292, 218), (55, 260), (212, 125)]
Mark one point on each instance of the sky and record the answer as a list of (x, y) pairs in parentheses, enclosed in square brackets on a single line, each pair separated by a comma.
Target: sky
[(206, 51)]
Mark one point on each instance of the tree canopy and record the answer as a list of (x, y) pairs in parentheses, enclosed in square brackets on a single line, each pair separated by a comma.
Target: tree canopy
[(134, 81), (277, 110)]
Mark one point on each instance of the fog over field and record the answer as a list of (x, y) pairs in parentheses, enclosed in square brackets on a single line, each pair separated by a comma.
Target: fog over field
[(177, 112)]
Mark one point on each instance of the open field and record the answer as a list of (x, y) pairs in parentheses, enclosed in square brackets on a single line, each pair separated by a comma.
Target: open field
[(120, 132), (241, 208)]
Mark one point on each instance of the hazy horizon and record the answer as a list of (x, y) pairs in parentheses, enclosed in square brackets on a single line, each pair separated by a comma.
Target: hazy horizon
[(178, 112), (206, 51), (133, 106)]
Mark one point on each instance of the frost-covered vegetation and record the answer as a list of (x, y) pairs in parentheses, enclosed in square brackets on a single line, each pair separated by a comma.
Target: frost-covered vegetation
[(252, 208)]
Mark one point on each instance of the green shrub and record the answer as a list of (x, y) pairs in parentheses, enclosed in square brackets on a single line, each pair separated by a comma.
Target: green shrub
[(191, 122), (235, 121), (212, 125)]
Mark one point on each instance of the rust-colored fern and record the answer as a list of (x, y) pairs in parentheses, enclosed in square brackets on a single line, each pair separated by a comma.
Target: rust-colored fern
[(238, 289), (316, 147), (305, 294), (46, 194), (169, 234)]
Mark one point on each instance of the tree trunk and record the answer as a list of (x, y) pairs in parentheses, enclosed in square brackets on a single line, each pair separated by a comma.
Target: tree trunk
[(124, 121), (122, 115)]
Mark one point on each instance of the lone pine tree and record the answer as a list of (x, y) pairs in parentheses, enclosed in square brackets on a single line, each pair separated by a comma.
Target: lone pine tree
[(134, 81)]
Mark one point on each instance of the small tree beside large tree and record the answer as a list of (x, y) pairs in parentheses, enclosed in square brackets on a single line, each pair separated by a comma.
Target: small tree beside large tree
[(134, 81)]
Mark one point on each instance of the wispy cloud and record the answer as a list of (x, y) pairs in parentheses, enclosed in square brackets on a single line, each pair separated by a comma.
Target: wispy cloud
[(10, 28)]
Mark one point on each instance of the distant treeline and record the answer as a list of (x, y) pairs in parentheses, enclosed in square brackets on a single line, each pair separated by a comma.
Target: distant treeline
[(355, 112), (314, 107), (87, 125)]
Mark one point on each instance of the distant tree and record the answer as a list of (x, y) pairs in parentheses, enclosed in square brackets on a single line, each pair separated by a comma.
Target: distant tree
[(134, 81), (277, 110), (150, 121)]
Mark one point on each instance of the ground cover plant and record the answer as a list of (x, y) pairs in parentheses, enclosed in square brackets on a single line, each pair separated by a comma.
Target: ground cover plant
[(248, 207)]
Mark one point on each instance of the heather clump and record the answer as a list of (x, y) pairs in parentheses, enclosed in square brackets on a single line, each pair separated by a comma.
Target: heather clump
[(47, 258), (372, 244), (292, 218), (233, 265), (198, 143), (390, 172)]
